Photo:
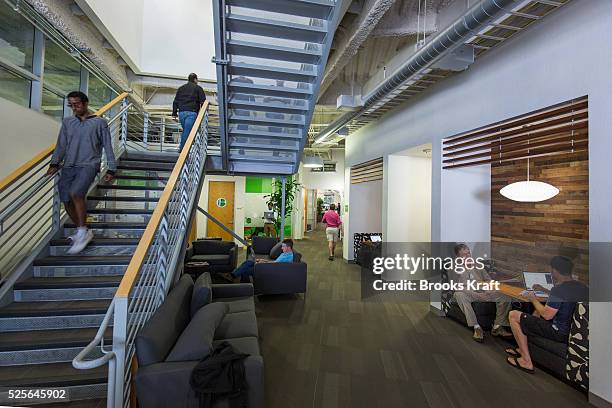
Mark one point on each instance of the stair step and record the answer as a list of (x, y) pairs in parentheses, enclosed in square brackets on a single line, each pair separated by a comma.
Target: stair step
[(133, 187), (119, 211), (51, 375), (143, 166), (271, 72), (274, 28), (233, 131), (68, 282), (269, 90), (111, 225), (278, 106), (59, 308), (99, 242), (306, 8), (85, 403), (263, 167), (258, 121), (273, 52), (120, 176), (122, 198), (151, 159), (270, 147), (264, 159)]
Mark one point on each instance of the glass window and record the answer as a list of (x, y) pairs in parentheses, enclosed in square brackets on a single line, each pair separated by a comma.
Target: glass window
[(61, 70), (16, 37), (98, 93), (14, 88), (52, 104)]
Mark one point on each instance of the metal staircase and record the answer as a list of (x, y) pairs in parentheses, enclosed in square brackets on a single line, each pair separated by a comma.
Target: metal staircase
[(270, 57), (56, 312)]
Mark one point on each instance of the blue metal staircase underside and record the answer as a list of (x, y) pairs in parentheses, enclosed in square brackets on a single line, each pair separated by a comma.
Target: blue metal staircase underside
[(270, 56)]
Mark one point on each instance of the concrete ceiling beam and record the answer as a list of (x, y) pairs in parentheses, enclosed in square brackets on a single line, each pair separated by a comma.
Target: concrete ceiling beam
[(357, 34)]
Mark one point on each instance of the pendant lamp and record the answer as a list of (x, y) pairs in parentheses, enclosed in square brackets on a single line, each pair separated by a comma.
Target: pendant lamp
[(313, 162), (529, 191)]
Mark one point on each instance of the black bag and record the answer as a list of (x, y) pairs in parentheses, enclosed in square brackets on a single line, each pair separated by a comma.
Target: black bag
[(221, 375)]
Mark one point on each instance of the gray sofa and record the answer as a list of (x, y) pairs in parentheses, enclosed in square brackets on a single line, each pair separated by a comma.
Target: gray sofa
[(277, 278), (193, 319), (221, 256)]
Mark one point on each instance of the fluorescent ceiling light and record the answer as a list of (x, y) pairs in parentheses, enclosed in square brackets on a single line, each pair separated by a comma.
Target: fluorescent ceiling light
[(313, 161)]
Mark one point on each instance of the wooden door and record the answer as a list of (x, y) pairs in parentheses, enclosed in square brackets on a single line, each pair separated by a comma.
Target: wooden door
[(221, 206)]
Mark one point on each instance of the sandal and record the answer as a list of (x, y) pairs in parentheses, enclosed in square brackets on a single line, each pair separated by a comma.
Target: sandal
[(516, 364), (513, 352)]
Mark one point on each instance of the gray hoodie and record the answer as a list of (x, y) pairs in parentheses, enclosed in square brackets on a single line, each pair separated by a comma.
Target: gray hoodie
[(80, 144)]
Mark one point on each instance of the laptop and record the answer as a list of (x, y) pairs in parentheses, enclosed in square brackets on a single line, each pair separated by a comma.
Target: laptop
[(269, 215), (543, 279), (376, 238)]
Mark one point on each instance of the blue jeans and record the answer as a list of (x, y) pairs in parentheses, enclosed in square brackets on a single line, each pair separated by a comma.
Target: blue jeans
[(247, 268), (187, 120)]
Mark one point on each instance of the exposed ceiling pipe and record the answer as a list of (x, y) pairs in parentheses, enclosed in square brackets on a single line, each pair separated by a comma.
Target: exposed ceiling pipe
[(456, 34)]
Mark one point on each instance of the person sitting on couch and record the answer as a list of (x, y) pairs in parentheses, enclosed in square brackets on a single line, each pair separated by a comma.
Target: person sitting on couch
[(465, 298), (551, 321), (247, 268)]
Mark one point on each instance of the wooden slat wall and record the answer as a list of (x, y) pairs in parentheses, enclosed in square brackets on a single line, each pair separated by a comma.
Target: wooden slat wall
[(524, 236), (555, 130), (368, 171)]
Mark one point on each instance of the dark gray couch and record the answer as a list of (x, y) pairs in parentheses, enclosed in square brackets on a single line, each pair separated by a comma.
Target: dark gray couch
[(277, 278), (222, 256), (191, 321)]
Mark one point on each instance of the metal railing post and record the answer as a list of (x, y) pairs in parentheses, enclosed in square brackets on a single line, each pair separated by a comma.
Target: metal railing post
[(120, 331), (124, 123), (162, 134), (282, 231), (163, 253), (145, 129), (56, 204)]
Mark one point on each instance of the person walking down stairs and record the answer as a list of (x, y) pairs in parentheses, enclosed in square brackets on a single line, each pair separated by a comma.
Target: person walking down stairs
[(78, 154)]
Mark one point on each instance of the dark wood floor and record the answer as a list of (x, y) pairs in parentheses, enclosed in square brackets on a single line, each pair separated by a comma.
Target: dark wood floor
[(330, 349)]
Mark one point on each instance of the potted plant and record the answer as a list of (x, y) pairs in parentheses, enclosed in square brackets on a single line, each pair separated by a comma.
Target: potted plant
[(276, 198)]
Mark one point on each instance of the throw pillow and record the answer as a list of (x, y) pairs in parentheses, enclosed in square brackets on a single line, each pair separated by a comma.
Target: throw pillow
[(196, 340), (202, 293), (276, 250)]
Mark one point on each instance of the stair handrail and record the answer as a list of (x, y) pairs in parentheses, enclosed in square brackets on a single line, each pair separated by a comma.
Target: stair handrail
[(25, 212), (150, 272)]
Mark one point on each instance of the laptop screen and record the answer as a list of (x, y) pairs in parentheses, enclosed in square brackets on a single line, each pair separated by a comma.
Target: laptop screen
[(543, 279)]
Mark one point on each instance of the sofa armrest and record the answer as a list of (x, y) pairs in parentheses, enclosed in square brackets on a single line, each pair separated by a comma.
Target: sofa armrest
[(280, 278), (232, 290), (188, 254), (233, 261), (167, 384)]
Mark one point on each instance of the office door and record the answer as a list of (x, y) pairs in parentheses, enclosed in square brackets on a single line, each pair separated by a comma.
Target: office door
[(221, 206)]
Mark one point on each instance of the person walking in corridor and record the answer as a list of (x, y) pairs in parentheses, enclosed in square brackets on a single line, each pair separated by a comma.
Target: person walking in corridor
[(78, 154), (187, 103), (332, 219)]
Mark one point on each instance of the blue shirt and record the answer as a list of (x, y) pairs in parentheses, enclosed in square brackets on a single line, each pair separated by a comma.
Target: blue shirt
[(285, 257)]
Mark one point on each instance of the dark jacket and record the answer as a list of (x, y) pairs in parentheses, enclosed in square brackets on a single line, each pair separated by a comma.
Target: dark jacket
[(189, 97)]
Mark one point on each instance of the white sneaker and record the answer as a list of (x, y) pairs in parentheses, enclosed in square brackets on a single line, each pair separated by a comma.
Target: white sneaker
[(72, 237), (80, 242)]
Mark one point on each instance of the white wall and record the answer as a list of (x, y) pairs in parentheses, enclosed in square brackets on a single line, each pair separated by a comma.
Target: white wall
[(326, 181), (563, 57), (239, 200), (25, 133), (407, 199), (158, 37), (178, 38), (365, 212), (121, 22)]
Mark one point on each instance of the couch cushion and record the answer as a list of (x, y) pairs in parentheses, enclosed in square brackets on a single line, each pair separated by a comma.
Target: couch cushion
[(207, 247), (263, 245), (297, 257), (276, 250), (202, 293), (242, 324), (196, 340), (238, 304), (159, 334), (247, 345), (554, 347), (216, 259)]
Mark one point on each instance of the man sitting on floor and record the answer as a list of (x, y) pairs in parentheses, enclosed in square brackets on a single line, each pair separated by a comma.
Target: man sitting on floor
[(465, 298), (552, 320), (247, 268)]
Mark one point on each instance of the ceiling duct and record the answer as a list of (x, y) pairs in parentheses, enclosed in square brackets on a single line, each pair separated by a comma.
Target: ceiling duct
[(441, 45)]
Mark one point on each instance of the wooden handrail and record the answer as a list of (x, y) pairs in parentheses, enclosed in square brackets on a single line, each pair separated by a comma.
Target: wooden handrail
[(127, 282), (24, 168)]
